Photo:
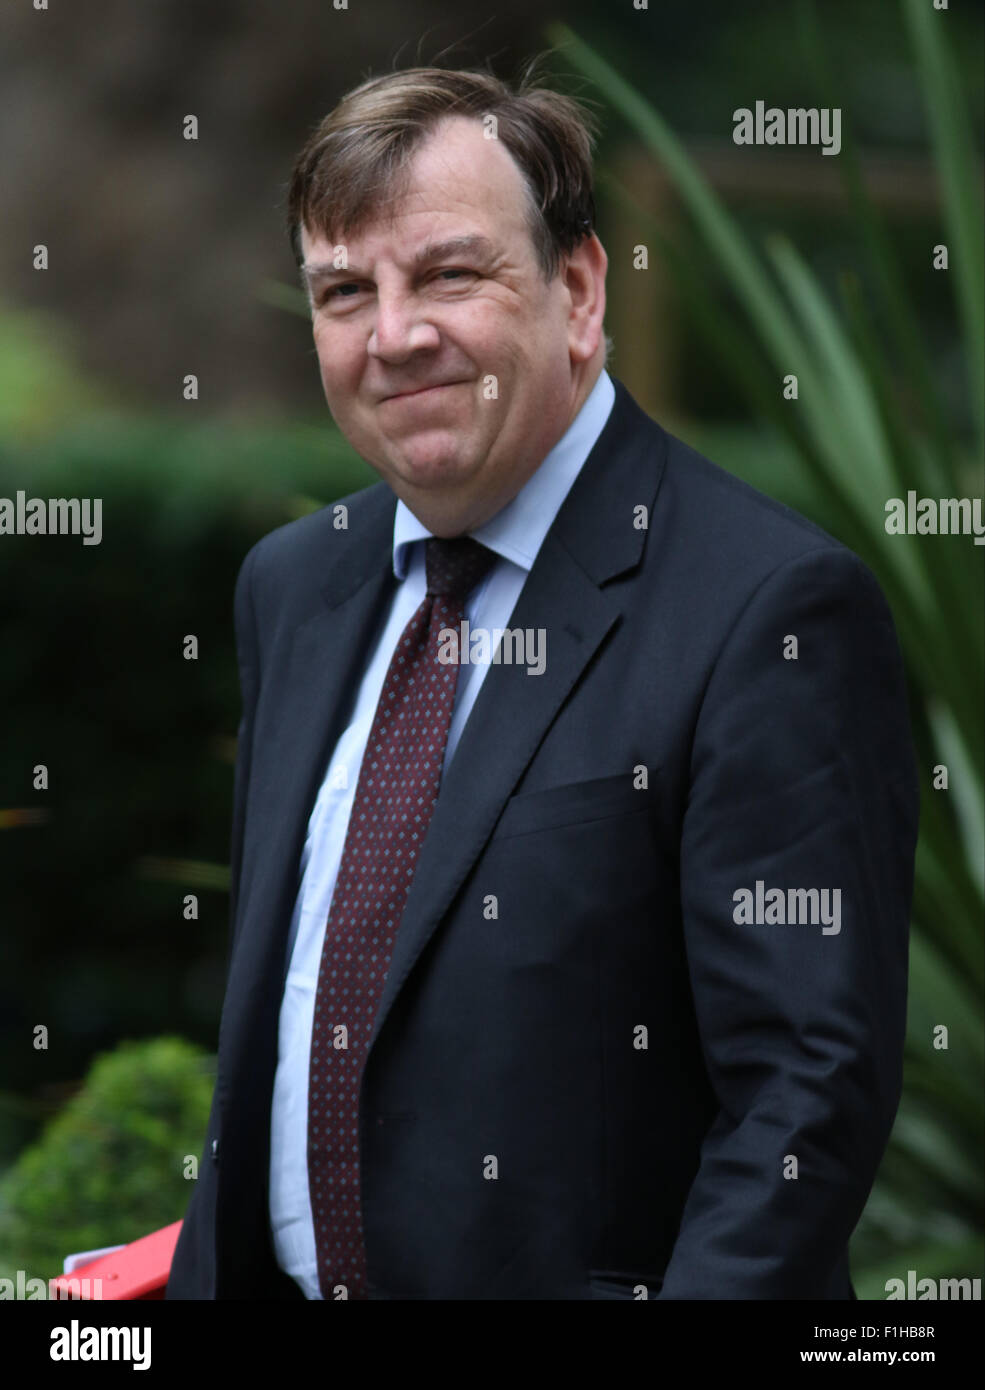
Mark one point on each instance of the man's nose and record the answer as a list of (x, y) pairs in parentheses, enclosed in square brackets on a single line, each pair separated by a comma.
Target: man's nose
[(400, 327)]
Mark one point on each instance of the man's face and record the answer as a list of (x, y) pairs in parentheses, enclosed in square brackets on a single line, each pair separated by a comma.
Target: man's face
[(447, 360)]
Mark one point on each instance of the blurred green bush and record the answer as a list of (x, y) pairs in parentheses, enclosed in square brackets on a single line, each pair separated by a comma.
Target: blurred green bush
[(110, 1167), (138, 741)]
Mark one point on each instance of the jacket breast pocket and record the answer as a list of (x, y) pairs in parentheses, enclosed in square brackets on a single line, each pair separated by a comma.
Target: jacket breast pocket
[(573, 803)]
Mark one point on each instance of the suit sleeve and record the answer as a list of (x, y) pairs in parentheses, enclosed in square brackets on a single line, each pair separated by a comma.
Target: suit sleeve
[(192, 1273), (802, 777)]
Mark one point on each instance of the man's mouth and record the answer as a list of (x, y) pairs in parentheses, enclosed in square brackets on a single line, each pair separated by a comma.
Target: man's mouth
[(421, 391)]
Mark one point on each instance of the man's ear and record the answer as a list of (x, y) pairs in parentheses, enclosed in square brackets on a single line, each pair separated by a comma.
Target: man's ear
[(583, 272)]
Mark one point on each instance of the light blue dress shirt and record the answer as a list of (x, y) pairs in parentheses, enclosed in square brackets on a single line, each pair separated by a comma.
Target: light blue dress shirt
[(515, 533)]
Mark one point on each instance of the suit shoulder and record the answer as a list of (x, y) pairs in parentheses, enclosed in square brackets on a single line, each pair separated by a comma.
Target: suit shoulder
[(705, 505), (320, 533), (756, 520), (711, 523), (283, 574), (295, 555)]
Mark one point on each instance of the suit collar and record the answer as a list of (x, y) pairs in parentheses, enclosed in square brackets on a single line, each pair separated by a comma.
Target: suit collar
[(600, 524)]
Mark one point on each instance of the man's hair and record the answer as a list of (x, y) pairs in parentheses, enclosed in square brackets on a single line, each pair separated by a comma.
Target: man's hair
[(357, 158)]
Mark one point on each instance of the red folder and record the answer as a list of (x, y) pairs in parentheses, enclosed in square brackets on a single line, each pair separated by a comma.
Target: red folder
[(137, 1270)]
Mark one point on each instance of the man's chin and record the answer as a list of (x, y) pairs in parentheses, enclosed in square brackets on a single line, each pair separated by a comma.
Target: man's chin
[(429, 467)]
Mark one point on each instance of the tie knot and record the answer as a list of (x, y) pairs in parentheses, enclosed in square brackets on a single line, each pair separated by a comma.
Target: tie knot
[(454, 567)]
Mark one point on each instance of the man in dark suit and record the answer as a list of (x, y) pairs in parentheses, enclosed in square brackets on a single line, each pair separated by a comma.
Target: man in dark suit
[(594, 985)]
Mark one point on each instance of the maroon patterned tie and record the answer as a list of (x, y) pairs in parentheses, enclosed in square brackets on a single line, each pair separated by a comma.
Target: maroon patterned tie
[(395, 795)]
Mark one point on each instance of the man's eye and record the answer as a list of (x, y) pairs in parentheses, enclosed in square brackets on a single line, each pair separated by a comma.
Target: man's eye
[(348, 289)]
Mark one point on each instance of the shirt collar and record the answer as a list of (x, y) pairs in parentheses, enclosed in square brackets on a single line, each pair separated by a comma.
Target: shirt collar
[(517, 530)]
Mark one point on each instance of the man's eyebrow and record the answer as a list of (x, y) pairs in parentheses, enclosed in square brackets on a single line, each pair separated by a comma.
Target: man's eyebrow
[(474, 245)]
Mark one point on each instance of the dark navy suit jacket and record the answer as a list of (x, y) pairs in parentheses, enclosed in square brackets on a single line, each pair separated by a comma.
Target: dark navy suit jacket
[(641, 1067)]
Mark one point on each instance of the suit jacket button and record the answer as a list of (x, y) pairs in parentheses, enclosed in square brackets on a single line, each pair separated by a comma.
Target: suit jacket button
[(215, 1148)]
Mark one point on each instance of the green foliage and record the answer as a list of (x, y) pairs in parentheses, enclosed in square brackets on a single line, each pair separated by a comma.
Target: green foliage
[(42, 384), (109, 1167), (137, 816), (140, 741), (869, 425)]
